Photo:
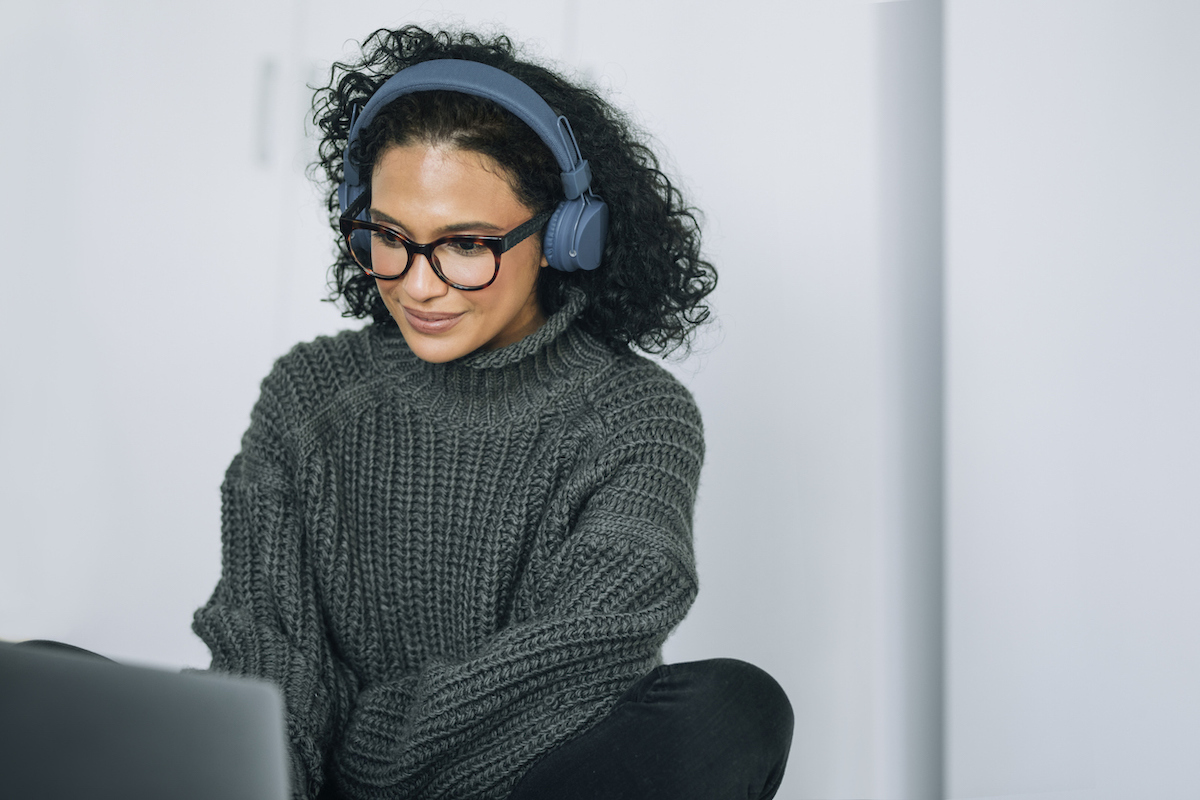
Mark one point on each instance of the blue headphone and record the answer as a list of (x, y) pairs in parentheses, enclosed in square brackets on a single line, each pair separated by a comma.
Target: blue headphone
[(574, 237)]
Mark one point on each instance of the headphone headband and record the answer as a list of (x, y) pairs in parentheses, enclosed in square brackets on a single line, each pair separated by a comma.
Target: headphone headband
[(582, 220)]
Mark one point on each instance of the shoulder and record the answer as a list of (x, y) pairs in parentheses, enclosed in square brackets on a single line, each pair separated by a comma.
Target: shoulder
[(312, 376), (641, 466), (643, 408), (634, 387), (330, 360)]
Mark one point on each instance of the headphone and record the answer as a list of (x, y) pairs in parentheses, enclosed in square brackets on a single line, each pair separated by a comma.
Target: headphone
[(574, 237)]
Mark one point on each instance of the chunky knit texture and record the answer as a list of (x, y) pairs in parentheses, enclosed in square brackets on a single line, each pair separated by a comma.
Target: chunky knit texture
[(451, 569)]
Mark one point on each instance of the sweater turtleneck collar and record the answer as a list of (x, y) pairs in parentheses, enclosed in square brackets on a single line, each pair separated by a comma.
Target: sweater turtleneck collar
[(504, 381)]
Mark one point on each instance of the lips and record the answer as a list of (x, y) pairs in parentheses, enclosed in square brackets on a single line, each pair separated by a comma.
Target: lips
[(431, 322)]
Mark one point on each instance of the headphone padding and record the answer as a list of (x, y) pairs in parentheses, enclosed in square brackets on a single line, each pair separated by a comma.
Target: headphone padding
[(551, 238)]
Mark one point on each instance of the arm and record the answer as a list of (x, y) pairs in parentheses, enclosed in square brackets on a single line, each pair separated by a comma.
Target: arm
[(263, 619), (596, 602)]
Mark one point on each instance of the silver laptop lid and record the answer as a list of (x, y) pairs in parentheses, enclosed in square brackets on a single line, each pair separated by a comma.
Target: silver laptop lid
[(73, 726)]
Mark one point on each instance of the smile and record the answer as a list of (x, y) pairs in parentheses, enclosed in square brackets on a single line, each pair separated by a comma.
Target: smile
[(431, 322)]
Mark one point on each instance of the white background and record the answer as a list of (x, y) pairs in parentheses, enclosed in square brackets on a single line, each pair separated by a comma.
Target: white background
[(160, 247)]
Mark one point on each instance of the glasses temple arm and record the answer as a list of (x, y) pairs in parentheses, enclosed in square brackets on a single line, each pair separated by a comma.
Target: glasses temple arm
[(523, 232)]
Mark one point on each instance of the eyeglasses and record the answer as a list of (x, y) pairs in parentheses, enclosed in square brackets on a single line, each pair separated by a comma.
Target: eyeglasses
[(464, 262)]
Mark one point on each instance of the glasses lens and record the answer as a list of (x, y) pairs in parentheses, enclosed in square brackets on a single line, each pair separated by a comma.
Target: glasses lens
[(382, 252), (466, 261), (360, 247)]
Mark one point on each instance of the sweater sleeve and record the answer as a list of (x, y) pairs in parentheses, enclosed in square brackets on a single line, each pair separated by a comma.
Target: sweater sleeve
[(598, 599), (263, 619)]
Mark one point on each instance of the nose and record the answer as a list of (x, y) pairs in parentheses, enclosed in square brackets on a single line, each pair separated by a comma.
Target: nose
[(421, 283)]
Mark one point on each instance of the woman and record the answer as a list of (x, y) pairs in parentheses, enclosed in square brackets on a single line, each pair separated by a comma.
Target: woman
[(458, 538)]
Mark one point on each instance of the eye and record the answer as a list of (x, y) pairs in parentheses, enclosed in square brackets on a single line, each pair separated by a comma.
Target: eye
[(467, 248), (387, 238)]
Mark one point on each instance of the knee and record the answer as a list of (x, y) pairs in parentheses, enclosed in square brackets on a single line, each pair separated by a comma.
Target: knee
[(746, 693)]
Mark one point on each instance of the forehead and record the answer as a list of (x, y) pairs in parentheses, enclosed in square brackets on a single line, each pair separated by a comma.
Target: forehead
[(431, 190), (440, 170)]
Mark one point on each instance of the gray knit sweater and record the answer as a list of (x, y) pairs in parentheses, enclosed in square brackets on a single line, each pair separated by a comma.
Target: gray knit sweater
[(451, 569)]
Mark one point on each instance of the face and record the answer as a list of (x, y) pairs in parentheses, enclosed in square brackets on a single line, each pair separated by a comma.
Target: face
[(427, 192)]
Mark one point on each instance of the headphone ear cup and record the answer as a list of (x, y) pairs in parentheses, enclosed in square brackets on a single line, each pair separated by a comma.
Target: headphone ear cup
[(574, 237), (551, 239), (591, 233)]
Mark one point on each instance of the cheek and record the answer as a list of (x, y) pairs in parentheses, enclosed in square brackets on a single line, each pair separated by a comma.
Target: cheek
[(389, 291), (518, 292), (526, 267)]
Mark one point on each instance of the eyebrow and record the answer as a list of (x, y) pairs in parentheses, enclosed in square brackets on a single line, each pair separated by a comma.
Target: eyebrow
[(457, 227)]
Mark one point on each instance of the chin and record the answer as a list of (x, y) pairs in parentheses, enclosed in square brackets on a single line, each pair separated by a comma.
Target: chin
[(433, 352), (437, 350)]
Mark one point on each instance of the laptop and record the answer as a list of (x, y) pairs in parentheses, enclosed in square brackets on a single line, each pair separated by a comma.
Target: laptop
[(78, 726)]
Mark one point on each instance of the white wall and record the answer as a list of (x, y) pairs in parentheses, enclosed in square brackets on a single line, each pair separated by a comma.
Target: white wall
[(161, 247), (1074, 399)]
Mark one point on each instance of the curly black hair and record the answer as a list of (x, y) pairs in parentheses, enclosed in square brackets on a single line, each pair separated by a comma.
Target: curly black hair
[(650, 287)]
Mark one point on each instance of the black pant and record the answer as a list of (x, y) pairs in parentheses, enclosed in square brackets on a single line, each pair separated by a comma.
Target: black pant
[(705, 730)]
